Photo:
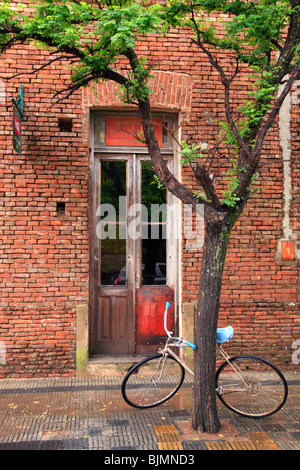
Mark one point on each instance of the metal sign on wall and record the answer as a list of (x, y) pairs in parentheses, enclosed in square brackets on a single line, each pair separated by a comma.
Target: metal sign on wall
[(17, 131), (17, 121)]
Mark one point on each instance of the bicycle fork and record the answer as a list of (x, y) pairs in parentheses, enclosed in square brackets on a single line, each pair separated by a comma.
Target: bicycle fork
[(160, 369)]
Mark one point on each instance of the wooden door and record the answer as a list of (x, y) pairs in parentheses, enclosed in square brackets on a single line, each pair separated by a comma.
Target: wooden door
[(133, 261), (114, 288)]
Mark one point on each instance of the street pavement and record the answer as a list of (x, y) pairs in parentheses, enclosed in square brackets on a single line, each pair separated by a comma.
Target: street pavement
[(69, 413)]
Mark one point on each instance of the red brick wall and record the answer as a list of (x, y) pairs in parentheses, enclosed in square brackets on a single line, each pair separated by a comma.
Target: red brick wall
[(44, 254), (45, 257)]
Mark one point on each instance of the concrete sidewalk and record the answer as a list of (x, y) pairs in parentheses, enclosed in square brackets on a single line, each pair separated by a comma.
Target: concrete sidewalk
[(90, 414)]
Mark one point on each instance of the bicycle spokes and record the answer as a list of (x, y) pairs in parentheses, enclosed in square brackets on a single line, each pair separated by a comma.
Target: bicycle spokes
[(152, 381), (251, 386)]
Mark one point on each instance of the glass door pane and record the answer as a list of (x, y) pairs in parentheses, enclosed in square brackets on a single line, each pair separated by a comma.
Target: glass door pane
[(112, 229), (154, 198)]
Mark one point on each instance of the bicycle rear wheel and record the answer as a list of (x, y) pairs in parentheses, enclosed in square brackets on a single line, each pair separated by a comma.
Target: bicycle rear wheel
[(251, 386), (152, 381)]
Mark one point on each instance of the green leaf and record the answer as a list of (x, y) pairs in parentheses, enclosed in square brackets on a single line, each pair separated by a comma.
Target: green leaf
[(189, 152)]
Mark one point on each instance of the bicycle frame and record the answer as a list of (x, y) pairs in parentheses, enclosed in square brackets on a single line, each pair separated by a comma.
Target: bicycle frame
[(167, 350), (176, 342), (170, 343)]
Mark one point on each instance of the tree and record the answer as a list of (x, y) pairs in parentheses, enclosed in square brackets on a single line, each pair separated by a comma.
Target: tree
[(262, 36)]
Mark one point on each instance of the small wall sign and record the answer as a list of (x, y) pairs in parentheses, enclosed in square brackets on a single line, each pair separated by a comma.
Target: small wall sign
[(17, 121), (287, 251), (128, 131)]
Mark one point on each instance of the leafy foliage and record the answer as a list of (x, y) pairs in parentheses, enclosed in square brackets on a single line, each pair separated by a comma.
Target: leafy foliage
[(255, 36), (189, 152), (97, 35)]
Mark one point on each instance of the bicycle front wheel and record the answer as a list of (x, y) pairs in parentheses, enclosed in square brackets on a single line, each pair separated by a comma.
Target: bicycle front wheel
[(251, 386), (152, 381)]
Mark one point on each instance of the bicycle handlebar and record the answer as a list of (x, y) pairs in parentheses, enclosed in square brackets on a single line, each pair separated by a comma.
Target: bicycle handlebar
[(169, 333), (167, 305), (191, 345)]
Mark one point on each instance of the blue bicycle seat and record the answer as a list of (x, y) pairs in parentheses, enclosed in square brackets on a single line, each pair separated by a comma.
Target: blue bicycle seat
[(224, 334)]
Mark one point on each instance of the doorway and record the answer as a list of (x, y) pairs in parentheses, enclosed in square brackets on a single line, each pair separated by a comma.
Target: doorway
[(134, 242)]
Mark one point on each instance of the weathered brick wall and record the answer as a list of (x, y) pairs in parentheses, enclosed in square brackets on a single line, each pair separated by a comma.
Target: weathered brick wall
[(44, 253)]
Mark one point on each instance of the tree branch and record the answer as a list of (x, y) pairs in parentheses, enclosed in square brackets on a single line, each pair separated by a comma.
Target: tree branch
[(205, 181), (162, 171), (72, 51), (21, 35), (243, 190), (158, 162), (226, 82), (42, 66), (263, 131), (287, 52)]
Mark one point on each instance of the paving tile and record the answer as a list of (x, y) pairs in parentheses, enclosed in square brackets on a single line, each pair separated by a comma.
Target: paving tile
[(262, 441), (89, 413), (168, 437), (228, 445), (194, 445)]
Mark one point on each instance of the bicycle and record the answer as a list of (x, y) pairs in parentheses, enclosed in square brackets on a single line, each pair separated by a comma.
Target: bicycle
[(248, 385)]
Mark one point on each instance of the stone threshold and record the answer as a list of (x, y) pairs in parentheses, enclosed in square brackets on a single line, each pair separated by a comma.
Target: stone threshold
[(116, 359)]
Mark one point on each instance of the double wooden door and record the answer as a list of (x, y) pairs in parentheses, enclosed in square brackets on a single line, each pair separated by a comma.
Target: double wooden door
[(133, 254)]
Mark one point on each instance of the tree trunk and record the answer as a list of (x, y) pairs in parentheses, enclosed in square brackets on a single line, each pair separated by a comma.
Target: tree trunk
[(205, 415)]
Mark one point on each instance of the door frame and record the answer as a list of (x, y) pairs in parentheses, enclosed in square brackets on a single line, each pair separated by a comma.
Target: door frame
[(174, 224)]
